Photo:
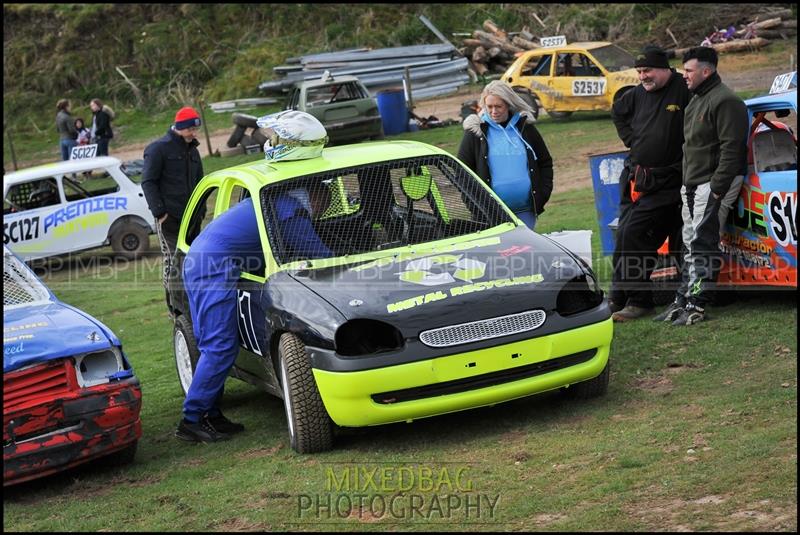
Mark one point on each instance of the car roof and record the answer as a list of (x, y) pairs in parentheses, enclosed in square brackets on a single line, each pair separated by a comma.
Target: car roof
[(262, 172), (69, 166), (572, 47), (783, 100), (320, 82)]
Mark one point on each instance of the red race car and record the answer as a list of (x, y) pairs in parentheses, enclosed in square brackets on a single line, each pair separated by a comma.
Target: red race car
[(69, 394)]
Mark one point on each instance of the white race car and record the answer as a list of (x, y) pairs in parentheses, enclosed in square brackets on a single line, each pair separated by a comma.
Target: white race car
[(75, 205)]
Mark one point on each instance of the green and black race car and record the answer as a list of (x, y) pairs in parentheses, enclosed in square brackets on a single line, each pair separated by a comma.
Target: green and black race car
[(436, 299)]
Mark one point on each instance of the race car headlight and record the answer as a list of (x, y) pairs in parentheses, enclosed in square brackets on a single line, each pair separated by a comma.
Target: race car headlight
[(98, 367), (579, 294), (366, 337)]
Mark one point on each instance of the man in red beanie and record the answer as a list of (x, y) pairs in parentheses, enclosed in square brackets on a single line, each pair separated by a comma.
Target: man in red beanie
[(172, 169)]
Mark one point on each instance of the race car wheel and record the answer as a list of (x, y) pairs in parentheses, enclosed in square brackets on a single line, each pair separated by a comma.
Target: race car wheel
[(120, 457), (186, 352), (243, 119), (227, 151), (130, 240), (310, 427), (236, 136), (592, 388), (529, 99)]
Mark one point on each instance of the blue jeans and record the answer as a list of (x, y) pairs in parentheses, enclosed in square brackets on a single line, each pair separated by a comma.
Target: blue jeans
[(528, 217), (66, 147)]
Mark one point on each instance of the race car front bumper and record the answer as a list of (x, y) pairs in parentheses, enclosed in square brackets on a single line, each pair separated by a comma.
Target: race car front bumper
[(465, 380), (63, 432)]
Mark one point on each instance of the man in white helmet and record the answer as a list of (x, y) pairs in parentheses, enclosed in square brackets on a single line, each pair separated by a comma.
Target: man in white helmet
[(214, 263)]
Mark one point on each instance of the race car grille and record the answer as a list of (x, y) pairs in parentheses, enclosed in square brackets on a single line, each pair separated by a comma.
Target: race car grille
[(476, 331), (28, 386), (482, 381)]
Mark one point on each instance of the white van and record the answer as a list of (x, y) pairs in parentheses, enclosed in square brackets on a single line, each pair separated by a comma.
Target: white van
[(71, 206)]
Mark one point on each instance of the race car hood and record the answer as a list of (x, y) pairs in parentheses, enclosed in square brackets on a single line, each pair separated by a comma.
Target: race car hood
[(51, 331), (461, 281)]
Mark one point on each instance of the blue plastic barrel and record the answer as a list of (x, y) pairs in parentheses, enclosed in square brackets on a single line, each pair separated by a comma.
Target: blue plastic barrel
[(393, 110), (606, 169)]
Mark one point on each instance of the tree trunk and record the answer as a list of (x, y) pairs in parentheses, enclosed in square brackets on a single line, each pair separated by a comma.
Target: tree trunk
[(490, 26)]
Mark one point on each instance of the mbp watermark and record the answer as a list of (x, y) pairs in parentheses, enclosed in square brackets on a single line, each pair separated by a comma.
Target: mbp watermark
[(398, 493)]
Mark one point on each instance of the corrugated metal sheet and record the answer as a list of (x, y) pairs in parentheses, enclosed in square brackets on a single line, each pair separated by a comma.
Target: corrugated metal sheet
[(434, 69)]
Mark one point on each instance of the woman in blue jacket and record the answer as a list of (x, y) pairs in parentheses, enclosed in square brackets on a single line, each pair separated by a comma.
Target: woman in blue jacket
[(504, 148)]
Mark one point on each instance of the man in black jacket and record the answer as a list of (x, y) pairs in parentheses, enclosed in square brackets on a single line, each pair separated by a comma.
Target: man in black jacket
[(172, 169), (649, 120)]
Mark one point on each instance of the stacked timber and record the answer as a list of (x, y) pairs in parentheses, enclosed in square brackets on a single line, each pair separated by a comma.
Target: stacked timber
[(433, 70), (492, 50), (769, 24)]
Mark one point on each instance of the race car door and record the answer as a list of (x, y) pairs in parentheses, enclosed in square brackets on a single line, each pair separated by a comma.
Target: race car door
[(580, 82)]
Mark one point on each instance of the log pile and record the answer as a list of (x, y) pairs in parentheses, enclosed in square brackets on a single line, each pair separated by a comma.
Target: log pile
[(775, 24), (492, 50)]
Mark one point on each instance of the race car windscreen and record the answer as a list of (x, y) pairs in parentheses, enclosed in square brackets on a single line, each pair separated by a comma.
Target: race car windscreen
[(375, 207), (20, 286), (613, 58)]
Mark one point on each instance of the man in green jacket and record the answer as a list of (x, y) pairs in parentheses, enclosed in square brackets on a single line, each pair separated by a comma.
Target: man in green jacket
[(714, 164)]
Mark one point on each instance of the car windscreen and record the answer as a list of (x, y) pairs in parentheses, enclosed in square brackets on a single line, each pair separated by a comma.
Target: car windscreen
[(20, 285), (613, 58), (376, 207), (330, 94)]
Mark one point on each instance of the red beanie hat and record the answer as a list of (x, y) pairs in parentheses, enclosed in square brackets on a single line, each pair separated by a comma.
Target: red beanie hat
[(186, 118)]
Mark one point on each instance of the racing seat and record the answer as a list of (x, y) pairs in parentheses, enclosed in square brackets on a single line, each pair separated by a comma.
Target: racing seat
[(774, 148), (377, 201)]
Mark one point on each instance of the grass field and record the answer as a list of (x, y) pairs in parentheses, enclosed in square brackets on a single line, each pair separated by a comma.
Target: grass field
[(697, 432)]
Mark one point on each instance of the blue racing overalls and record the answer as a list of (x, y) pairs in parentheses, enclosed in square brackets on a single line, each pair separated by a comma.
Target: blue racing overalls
[(211, 272)]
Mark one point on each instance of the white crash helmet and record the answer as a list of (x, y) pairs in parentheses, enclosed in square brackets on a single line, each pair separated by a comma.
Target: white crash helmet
[(292, 135)]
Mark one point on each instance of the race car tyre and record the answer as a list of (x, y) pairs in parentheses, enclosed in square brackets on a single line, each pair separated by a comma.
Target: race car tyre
[(592, 388), (310, 427), (234, 151), (130, 241), (246, 141), (559, 115), (118, 458), (186, 353), (529, 99), (242, 119), (236, 136), (259, 136)]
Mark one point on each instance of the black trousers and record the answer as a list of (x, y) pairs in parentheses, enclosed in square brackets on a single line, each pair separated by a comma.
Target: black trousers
[(643, 227)]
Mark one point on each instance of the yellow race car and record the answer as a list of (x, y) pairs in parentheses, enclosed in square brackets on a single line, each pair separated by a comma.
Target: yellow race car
[(576, 77)]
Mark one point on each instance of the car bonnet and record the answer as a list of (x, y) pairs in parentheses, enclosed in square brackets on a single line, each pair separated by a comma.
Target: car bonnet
[(512, 272), (39, 333)]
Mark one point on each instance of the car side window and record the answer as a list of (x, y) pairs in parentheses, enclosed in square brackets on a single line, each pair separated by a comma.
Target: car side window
[(87, 184), (293, 100), (31, 195), (202, 214), (774, 147), (587, 67), (576, 64), (538, 66)]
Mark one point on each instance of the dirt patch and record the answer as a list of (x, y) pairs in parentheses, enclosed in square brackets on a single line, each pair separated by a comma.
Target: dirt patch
[(240, 524), (671, 514), (656, 385), (546, 518), (258, 452)]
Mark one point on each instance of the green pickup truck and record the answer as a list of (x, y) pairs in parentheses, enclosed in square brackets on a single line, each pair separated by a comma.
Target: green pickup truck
[(342, 104)]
